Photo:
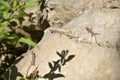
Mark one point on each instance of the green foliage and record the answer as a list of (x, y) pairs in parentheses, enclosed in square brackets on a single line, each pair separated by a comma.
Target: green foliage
[(23, 78), (3, 27), (5, 4), (8, 13), (10, 41), (17, 38), (27, 41), (31, 4)]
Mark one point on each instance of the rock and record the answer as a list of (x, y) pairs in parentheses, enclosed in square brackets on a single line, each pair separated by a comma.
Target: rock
[(91, 61), (95, 58), (63, 11)]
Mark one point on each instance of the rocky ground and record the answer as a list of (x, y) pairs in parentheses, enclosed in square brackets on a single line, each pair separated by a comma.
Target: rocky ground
[(88, 29)]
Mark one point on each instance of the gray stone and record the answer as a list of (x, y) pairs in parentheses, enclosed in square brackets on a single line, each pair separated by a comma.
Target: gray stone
[(64, 11), (96, 58), (91, 61)]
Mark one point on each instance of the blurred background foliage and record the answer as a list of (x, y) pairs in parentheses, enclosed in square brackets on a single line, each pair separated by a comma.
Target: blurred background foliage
[(15, 38)]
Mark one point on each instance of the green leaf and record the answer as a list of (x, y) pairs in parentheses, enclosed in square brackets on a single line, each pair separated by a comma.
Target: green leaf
[(23, 78), (27, 41), (19, 39), (23, 13), (31, 4), (5, 3), (3, 26), (15, 2), (5, 15), (2, 8), (20, 7), (20, 16), (9, 36), (29, 1)]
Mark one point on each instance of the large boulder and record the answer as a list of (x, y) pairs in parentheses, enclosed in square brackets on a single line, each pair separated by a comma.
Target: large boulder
[(63, 11), (95, 58), (93, 37)]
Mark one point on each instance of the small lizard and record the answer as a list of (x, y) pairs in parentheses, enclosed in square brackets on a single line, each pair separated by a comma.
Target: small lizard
[(63, 32), (32, 62), (93, 34)]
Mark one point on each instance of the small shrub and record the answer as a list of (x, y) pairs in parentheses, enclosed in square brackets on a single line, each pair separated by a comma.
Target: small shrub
[(13, 44)]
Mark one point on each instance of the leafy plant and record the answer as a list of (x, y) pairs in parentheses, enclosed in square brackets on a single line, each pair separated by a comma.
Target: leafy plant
[(12, 44), (15, 10)]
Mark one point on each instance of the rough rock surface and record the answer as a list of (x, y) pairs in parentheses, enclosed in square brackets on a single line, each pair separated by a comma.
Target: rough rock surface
[(93, 60), (63, 11)]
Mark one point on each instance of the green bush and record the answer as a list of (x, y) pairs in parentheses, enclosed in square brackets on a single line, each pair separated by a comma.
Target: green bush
[(11, 42), (8, 13)]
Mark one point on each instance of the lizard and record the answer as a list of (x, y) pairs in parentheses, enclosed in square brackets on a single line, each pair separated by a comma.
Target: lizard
[(93, 34), (32, 62), (63, 32)]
